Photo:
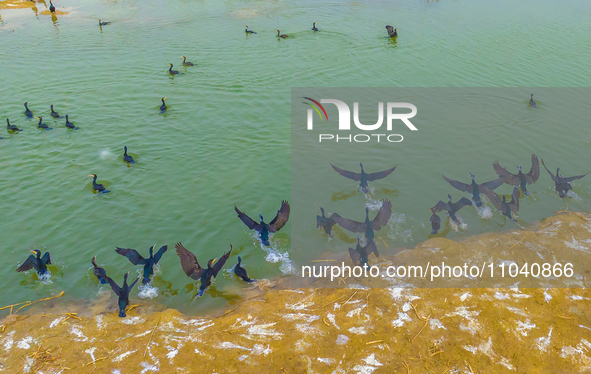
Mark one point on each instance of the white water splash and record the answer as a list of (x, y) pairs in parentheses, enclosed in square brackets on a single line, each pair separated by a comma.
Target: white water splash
[(484, 211), (147, 291), (457, 226), (275, 255), (573, 195), (45, 277), (105, 154)]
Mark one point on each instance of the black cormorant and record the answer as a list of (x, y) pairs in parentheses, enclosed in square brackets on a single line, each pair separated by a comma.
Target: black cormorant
[(532, 103), (42, 125), (392, 32), (103, 23), (451, 208), (187, 63), (163, 106), (99, 272), (520, 179), (263, 228), (69, 124), (193, 270), (97, 186), (325, 222), (126, 157), (283, 36), (54, 114), (502, 205), (10, 127), (37, 262), (368, 227), (314, 28), (172, 72), (360, 255), (473, 187), (363, 177), (241, 272), (562, 183), (122, 293), (246, 30), (135, 258), (28, 112), (435, 222), (51, 7)]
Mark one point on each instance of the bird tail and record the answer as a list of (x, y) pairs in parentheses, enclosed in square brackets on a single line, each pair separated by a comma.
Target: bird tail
[(105, 191), (122, 313)]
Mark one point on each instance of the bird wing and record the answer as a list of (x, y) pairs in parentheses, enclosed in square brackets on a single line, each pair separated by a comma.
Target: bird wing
[(549, 172), (320, 221), (514, 203), (371, 247), (461, 203), (570, 179), (440, 207), (159, 254), (494, 184), (383, 215), (349, 224), (114, 286), (132, 284), (459, 185), (132, 255), (281, 218), (189, 262), (355, 256), (220, 263), (29, 263), (347, 174), (507, 177), (493, 197), (435, 219), (534, 172), (46, 258), (379, 174), (249, 222)]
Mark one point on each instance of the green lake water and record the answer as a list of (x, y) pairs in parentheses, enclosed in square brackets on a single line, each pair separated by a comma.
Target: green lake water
[(226, 136)]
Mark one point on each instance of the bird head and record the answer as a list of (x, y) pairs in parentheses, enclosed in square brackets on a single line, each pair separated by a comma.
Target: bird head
[(239, 259), (7, 121), (360, 164), (152, 249), (36, 252), (164, 98), (557, 169), (314, 23), (277, 32), (51, 106), (170, 65), (322, 210), (93, 260), (125, 148), (519, 167), (66, 117), (358, 240), (93, 175), (246, 26), (504, 198), (388, 26), (210, 263), (39, 118), (448, 198), (472, 176), (125, 277), (395, 30), (26, 103), (183, 57), (261, 217), (532, 96)]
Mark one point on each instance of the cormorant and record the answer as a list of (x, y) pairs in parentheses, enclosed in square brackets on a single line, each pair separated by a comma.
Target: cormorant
[(435, 222), (325, 222), (193, 270), (186, 63), (314, 28), (563, 184), (263, 228), (28, 112), (520, 179), (452, 208), (97, 186), (241, 272), (51, 7), (246, 30), (392, 32), (126, 157), (473, 187), (532, 103), (37, 262), (363, 177), (69, 124), (135, 258), (54, 114), (10, 127), (367, 227), (502, 205), (283, 36), (103, 23), (122, 293), (99, 272), (172, 72), (42, 125), (360, 255), (163, 106)]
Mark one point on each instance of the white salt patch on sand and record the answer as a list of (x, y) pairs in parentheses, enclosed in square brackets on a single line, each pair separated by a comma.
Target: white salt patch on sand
[(465, 296), (547, 296), (90, 351), (260, 349), (327, 361), (242, 358), (306, 317), (434, 323), (122, 356), (143, 334), (331, 318), (364, 369), (544, 341), (576, 245), (355, 312), (8, 341), (263, 330), (585, 327), (371, 360), (402, 318), (25, 343), (358, 330), (115, 371), (577, 297), (56, 322), (75, 330), (307, 329), (148, 367), (28, 363), (342, 339), (506, 364), (524, 327), (133, 320), (299, 306), (230, 345)]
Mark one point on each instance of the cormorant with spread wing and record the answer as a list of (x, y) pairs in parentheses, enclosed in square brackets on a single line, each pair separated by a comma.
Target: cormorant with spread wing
[(241, 272), (368, 227), (325, 222), (135, 258), (193, 270), (451, 208), (363, 177), (360, 255), (37, 262), (263, 228), (521, 180), (473, 187), (563, 184), (502, 205), (99, 272), (122, 293)]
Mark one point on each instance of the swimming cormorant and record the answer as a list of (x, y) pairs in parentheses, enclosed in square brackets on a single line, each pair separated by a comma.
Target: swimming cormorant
[(283, 36), (520, 179), (360, 255), (314, 28), (103, 23), (163, 106), (325, 222), (187, 63), (69, 124), (135, 258), (172, 72), (99, 272), (263, 228), (367, 226), (42, 125), (37, 262), (451, 208), (122, 293), (54, 114), (435, 222), (562, 184), (246, 30), (502, 205), (51, 7), (473, 187), (363, 177), (97, 186), (241, 272), (126, 157), (10, 127), (28, 112), (532, 103), (193, 270), (392, 32)]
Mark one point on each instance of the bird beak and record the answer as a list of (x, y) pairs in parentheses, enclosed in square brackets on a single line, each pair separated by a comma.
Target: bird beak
[(31, 251), (164, 98), (214, 260)]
